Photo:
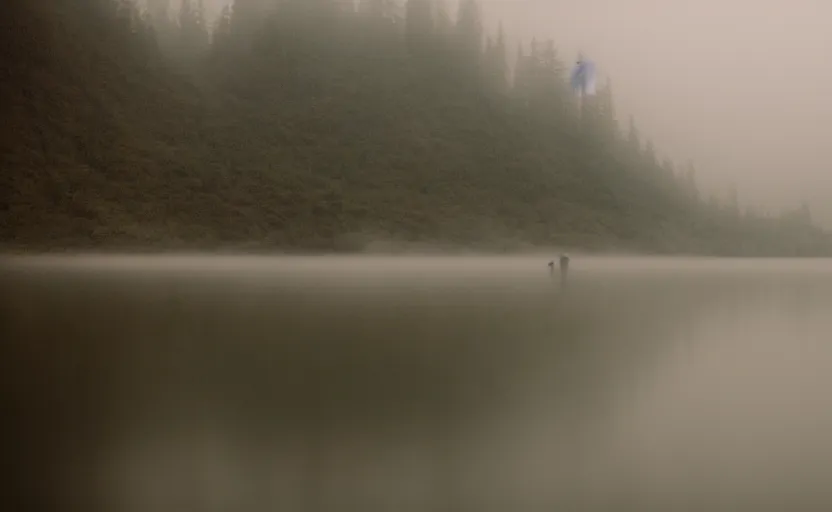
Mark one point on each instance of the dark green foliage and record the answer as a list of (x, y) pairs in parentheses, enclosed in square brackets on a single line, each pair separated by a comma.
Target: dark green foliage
[(496, 65), (321, 124), (193, 28), (419, 25)]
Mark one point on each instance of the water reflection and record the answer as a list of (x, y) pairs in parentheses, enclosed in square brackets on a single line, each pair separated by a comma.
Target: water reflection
[(424, 384)]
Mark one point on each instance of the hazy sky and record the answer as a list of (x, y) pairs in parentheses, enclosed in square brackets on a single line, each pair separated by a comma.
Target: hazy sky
[(742, 87)]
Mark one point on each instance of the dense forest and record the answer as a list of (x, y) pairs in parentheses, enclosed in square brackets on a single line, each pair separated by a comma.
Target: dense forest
[(331, 125)]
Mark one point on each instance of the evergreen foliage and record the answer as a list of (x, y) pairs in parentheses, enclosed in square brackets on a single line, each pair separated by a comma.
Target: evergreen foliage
[(320, 124)]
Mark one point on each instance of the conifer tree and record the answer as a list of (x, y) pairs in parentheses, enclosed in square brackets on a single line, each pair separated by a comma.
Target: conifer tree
[(444, 23), (194, 35), (418, 25), (469, 31), (496, 63)]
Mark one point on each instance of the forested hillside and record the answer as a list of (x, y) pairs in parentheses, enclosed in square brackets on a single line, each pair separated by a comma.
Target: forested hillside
[(325, 125)]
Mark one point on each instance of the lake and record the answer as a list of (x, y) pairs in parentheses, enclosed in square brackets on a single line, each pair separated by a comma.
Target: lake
[(417, 383)]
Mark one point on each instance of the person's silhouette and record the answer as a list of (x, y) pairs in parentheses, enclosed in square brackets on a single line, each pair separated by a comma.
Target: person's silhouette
[(563, 264)]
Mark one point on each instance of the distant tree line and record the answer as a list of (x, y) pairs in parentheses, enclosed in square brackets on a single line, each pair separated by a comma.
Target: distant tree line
[(418, 111)]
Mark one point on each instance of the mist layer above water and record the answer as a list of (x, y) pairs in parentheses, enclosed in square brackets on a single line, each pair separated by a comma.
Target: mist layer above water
[(424, 383)]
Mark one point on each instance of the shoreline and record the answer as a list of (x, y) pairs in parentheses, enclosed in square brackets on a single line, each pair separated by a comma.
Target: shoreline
[(417, 250)]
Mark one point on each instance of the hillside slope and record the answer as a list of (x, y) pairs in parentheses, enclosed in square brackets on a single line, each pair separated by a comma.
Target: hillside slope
[(300, 141)]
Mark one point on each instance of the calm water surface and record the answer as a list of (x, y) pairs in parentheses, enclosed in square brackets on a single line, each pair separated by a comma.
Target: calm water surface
[(418, 384)]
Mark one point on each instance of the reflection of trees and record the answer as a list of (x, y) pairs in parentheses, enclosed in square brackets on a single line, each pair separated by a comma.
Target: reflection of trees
[(316, 363)]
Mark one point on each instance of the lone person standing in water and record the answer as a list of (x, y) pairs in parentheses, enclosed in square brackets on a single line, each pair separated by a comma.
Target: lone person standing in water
[(564, 268)]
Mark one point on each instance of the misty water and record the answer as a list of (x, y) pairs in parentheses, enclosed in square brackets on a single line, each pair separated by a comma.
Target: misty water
[(419, 384)]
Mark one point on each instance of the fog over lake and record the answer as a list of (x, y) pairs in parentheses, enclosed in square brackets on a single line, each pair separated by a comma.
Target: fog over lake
[(419, 383)]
